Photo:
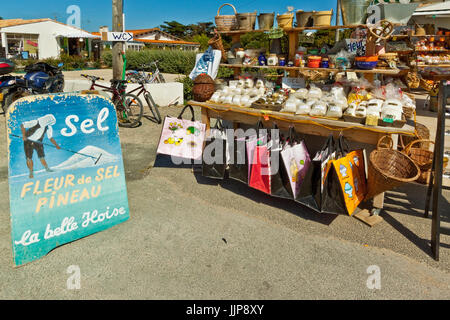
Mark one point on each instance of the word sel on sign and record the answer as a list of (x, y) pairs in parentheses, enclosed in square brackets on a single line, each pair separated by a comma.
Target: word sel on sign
[(66, 175)]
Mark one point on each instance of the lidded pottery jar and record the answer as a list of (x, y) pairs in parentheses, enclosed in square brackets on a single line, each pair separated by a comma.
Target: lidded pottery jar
[(240, 53)]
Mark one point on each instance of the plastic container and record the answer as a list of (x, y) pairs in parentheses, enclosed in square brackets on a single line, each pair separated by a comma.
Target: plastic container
[(314, 61), (366, 63)]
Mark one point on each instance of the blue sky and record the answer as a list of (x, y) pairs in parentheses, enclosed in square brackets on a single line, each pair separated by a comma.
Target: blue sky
[(146, 13)]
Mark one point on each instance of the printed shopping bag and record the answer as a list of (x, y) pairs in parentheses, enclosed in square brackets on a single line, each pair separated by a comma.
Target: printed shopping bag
[(215, 153), (349, 174), (258, 153), (296, 161), (238, 166), (279, 179), (260, 169), (182, 138), (310, 193)]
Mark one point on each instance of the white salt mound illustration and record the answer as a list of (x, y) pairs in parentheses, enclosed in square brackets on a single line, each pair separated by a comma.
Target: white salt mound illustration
[(81, 161)]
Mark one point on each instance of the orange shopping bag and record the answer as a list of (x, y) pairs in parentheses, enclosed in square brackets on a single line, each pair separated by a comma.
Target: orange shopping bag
[(350, 172)]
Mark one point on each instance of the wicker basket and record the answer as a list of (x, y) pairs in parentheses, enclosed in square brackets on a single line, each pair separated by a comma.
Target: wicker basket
[(389, 169), (422, 132), (217, 44), (204, 87), (227, 22), (422, 157), (413, 80)]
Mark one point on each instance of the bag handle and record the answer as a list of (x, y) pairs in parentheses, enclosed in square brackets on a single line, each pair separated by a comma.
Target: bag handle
[(330, 144), (184, 109), (219, 125), (226, 4), (409, 146), (294, 136), (343, 147), (389, 146)]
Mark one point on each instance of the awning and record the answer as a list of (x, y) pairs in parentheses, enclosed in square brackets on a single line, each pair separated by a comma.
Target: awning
[(75, 34), (431, 13)]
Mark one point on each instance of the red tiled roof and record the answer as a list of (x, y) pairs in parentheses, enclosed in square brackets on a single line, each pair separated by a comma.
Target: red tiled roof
[(167, 41), (18, 22)]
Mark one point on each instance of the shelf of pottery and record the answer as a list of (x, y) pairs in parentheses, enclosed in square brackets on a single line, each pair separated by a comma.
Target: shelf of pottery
[(341, 80)]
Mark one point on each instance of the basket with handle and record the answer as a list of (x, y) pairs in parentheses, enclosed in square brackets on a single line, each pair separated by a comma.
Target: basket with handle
[(217, 44), (422, 157), (227, 22), (389, 169), (422, 132)]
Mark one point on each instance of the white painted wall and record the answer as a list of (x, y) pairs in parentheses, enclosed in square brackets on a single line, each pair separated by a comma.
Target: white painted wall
[(48, 43)]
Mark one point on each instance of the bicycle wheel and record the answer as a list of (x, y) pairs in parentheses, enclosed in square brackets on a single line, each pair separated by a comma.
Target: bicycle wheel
[(153, 107), (129, 111)]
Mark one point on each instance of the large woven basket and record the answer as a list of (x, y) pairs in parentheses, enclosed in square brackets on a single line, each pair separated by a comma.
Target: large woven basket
[(389, 169), (227, 22), (217, 44)]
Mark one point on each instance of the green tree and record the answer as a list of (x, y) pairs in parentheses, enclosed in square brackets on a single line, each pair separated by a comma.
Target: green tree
[(202, 39), (174, 28)]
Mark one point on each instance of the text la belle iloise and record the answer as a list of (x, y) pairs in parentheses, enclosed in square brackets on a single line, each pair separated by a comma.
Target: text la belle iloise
[(52, 194)]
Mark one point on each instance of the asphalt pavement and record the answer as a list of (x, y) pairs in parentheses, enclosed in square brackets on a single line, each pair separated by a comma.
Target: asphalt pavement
[(193, 238)]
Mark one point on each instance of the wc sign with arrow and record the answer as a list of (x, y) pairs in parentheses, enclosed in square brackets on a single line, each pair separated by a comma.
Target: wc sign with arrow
[(66, 174)]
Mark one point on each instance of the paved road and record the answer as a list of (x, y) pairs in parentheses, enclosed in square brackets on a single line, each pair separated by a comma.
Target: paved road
[(190, 238)]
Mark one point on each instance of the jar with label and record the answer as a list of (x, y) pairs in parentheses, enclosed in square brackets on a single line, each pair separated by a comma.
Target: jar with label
[(324, 63), (273, 60), (240, 53)]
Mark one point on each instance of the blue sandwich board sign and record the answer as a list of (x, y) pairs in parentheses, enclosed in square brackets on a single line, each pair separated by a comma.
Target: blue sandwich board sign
[(66, 174)]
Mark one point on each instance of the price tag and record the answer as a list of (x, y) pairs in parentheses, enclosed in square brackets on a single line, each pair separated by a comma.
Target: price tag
[(371, 120), (352, 76), (388, 120)]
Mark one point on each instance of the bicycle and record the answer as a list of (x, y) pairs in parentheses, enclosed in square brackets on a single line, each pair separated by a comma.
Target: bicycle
[(128, 106), (149, 99), (134, 76)]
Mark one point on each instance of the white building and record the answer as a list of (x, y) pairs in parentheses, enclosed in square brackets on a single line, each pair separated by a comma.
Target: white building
[(43, 38)]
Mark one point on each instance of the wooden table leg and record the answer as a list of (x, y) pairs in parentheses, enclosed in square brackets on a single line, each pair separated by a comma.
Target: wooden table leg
[(206, 120)]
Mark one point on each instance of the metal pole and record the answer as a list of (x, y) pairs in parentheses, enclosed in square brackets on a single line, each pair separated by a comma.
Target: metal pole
[(338, 18), (117, 26)]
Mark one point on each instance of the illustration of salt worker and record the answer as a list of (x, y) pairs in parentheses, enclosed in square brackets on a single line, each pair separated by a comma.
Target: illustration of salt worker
[(33, 133)]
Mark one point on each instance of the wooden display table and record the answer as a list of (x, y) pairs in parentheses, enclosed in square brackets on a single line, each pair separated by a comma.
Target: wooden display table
[(303, 124)]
